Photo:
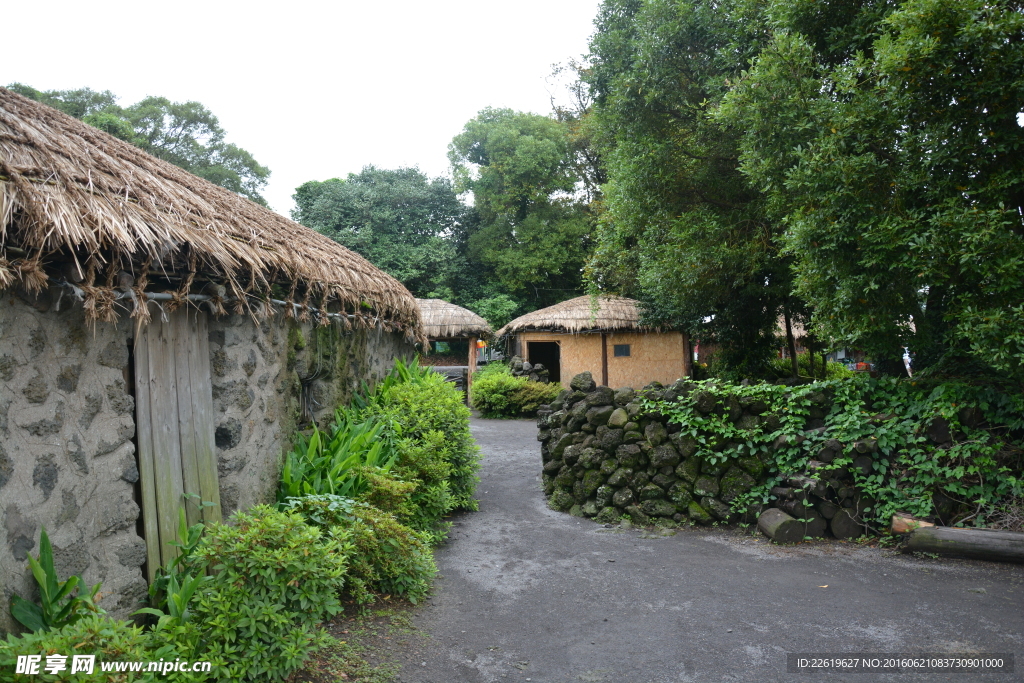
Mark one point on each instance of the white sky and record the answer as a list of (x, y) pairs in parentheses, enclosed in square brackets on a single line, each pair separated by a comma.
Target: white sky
[(314, 90)]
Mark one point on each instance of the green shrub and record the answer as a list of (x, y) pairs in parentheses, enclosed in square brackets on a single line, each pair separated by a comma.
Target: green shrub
[(108, 639), (427, 413), (497, 393), (276, 578), (387, 557), (783, 367), (979, 469), (330, 462)]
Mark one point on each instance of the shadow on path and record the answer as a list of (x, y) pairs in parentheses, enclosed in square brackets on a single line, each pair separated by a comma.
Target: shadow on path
[(529, 594)]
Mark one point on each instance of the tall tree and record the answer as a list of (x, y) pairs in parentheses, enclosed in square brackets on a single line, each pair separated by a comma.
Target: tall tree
[(535, 227), (411, 226), (186, 134), (683, 231), (888, 138)]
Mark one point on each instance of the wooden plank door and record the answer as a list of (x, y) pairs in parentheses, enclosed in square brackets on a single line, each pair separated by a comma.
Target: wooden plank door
[(174, 421)]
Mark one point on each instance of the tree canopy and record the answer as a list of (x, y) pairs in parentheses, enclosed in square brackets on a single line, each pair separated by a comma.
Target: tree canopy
[(857, 161), (186, 134), (535, 227)]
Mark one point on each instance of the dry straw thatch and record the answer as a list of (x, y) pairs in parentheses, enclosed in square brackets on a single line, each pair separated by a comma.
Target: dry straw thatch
[(442, 320), (75, 200), (580, 315)]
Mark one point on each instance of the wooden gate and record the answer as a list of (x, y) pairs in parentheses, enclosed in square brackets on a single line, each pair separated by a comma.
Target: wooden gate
[(175, 432)]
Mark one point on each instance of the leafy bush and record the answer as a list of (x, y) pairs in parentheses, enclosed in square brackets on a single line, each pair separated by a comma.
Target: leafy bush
[(980, 470), (59, 604), (276, 578), (107, 639), (497, 393), (783, 367), (435, 449), (388, 557), (329, 462)]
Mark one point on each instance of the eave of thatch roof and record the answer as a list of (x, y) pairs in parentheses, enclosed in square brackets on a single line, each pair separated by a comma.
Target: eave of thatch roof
[(580, 315), (71, 194), (443, 320)]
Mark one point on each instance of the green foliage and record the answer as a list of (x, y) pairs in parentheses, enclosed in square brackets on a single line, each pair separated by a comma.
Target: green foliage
[(886, 137), (59, 603), (534, 231), (411, 226), (783, 367), (682, 230), (275, 580), (980, 470), (176, 583), (428, 414), (387, 556), (108, 639), (330, 462), (186, 134), (497, 393)]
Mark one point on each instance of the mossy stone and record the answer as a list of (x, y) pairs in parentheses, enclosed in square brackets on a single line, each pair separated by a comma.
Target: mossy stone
[(583, 382), (552, 467), (685, 444), (618, 419), (752, 465), (624, 396), (608, 515), (620, 477), (655, 433), (603, 496), (664, 455), (592, 480), (632, 437), (565, 480), (560, 500), (680, 494), (712, 469), (628, 455), (688, 470), (658, 508), (638, 516), (735, 482), (717, 508), (608, 466), (599, 415), (651, 492), (698, 514), (623, 498), (576, 511), (590, 508), (706, 486)]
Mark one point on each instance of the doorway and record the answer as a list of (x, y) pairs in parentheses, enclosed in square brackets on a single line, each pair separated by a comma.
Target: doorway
[(547, 354)]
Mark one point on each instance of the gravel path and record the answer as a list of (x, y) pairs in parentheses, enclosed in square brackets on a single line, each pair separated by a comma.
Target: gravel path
[(528, 594)]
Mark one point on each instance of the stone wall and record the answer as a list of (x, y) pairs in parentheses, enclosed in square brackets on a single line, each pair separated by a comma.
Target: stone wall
[(67, 429), (603, 456)]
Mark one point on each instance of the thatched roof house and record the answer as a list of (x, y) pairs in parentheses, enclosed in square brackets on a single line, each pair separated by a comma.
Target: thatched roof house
[(160, 337), (443, 320), (602, 335), (80, 204)]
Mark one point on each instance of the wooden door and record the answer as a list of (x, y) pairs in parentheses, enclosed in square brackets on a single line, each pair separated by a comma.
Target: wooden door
[(175, 431)]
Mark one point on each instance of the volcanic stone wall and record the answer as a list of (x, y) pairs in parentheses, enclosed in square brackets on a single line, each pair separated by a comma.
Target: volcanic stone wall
[(604, 456)]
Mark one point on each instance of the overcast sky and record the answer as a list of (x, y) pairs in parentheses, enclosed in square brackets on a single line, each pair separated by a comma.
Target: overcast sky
[(314, 90)]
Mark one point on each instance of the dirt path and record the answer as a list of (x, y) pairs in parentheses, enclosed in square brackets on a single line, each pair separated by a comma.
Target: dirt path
[(528, 594)]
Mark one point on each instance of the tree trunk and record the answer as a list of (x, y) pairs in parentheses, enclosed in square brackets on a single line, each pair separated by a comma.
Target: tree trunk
[(780, 527), (824, 366), (791, 343), (810, 360), (980, 544)]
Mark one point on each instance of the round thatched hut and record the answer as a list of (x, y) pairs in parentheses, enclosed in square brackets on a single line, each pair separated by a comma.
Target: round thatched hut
[(446, 322), (160, 336), (602, 335)]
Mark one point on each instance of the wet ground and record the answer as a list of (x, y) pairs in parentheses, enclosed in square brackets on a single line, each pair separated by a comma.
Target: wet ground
[(529, 594)]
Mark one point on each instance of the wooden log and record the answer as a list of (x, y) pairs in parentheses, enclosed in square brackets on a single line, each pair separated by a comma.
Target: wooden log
[(796, 508), (780, 527), (980, 544), (846, 524), (904, 524), (817, 525), (826, 508)]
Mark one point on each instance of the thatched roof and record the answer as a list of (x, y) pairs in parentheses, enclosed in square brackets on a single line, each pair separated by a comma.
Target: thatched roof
[(580, 315), (76, 200), (442, 320)]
